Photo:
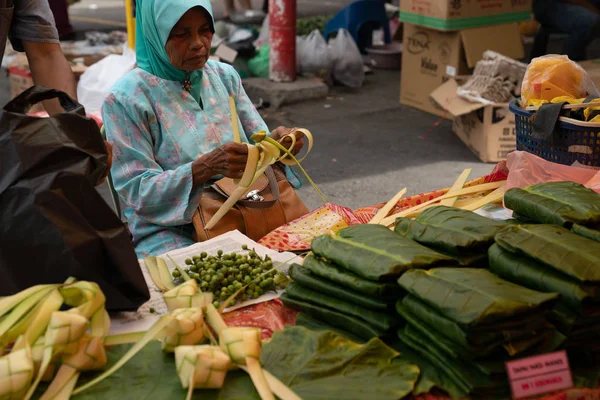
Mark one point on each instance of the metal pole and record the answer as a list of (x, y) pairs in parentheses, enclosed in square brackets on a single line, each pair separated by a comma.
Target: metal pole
[(282, 40), (130, 18)]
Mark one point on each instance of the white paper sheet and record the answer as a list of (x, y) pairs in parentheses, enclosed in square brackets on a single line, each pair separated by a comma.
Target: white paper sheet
[(230, 242)]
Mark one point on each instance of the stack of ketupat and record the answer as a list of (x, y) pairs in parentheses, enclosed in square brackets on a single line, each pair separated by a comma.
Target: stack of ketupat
[(550, 258), (460, 234), (467, 322), (349, 282)]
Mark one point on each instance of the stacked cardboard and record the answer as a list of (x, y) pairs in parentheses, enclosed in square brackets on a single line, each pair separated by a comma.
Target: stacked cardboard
[(442, 41)]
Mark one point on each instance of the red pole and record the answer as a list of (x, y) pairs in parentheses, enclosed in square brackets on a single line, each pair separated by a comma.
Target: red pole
[(282, 40)]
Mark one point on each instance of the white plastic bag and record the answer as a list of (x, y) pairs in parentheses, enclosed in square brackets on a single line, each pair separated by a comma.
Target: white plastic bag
[(97, 80), (263, 36), (347, 60), (313, 55)]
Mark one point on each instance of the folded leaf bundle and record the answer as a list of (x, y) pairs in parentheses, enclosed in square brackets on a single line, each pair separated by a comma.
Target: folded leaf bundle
[(376, 253), (481, 340), (380, 320), (589, 233), (474, 297), (451, 230), (317, 325), (559, 203), (534, 275), (336, 318), (317, 266), (303, 277), (556, 248), (467, 378), (498, 349)]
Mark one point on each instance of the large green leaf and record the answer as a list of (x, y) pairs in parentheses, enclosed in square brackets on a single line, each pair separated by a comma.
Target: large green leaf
[(152, 375), (306, 279), (560, 203), (452, 230), (473, 297), (336, 318), (529, 273), (381, 321), (376, 253), (329, 271), (315, 365), (555, 247), (323, 365)]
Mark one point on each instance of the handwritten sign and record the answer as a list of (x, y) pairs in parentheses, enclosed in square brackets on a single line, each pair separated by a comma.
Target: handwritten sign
[(540, 374)]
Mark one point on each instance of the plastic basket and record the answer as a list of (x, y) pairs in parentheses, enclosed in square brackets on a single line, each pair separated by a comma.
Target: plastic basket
[(572, 141)]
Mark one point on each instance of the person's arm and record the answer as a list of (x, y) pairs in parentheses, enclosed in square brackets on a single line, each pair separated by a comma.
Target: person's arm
[(584, 3), (166, 198), (50, 68)]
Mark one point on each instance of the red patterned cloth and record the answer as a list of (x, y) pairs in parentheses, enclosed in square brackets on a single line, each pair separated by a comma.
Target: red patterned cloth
[(297, 235), (268, 316)]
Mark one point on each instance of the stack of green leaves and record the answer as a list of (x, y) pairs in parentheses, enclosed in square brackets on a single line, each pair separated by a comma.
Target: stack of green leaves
[(349, 282), (468, 322), (567, 204), (552, 259), (460, 234)]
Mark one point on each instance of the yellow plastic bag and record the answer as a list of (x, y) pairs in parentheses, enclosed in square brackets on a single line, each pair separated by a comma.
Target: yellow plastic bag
[(553, 76)]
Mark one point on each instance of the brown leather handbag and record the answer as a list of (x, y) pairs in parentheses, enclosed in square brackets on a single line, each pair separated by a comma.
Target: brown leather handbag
[(269, 203)]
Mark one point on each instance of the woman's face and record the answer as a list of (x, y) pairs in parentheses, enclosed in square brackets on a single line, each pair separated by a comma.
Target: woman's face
[(189, 42)]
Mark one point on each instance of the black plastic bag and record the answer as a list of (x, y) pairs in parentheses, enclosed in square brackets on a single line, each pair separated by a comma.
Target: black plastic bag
[(53, 222)]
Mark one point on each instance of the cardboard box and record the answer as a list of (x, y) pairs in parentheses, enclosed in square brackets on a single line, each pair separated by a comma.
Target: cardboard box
[(488, 130), (461, 14), (431, 57)]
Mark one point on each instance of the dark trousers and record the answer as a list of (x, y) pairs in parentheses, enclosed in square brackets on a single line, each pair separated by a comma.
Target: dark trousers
[(60, 11), (579, 23)]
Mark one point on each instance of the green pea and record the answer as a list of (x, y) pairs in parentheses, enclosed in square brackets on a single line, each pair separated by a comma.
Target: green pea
[(219, 253), (214, 279), (224, 296), (258, 292), (244, 247), (258, 271), (176, 273), (188, 261), (206, 278), (204, 285), (247, 279), (224, 282), (203, 254), (239, 277), (253, 254), (231, 288), (194, 268)]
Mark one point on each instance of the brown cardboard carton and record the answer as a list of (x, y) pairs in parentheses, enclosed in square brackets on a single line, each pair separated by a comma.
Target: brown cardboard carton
[(431, 57), (488, 130), (461, 14)]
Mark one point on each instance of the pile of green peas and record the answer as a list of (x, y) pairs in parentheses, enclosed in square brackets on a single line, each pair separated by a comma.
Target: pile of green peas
[(225, 274)]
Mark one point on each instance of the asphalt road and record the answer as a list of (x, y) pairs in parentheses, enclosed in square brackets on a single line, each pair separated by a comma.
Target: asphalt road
[(110, 14)]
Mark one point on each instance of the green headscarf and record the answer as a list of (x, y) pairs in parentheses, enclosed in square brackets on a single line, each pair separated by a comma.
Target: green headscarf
[(154, 21)]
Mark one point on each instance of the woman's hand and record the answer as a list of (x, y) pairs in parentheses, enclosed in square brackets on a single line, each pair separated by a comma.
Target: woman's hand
[(280, 132), (228, 160)]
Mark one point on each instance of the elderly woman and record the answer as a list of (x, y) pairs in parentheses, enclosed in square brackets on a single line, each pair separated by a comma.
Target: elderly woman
[(170, 125)]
